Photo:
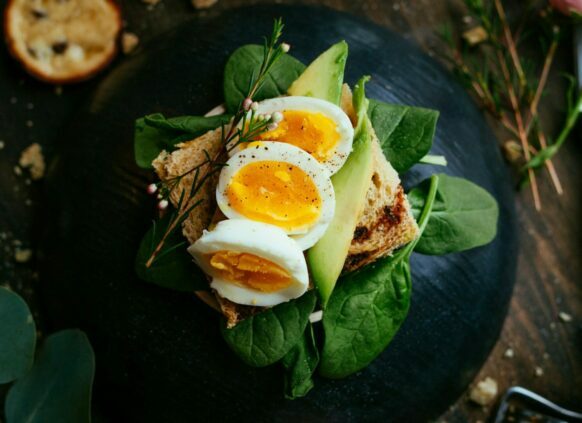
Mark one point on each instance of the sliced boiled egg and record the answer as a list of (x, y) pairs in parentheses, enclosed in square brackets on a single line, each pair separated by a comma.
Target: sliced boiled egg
[(316, 126), (278, 184), (252, 263)]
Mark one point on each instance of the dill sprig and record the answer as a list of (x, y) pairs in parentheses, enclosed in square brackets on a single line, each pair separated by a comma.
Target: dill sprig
[(245, 126), (510, 87)]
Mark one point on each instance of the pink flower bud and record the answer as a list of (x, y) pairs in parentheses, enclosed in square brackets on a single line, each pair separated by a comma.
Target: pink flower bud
[(255, 106), (285, 47), (163, 205), (247, 103), (152, 188), (277, 117), (272, 126), (567, 6)]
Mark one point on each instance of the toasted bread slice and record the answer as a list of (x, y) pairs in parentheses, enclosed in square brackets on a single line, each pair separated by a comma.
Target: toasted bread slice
[(62, 41), (385, 224)]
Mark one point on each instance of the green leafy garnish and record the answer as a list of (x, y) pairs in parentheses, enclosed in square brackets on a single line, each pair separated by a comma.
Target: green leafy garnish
[(300, 363), (405, 133), (17, 336), (173, 268), (246, 62), (154, 133), (464, 216), (368, 307), (266, 337), (58, 387)]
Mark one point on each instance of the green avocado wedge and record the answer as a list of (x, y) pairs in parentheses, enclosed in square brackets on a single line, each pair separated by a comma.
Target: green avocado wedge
[(326, 258), (330, 63)]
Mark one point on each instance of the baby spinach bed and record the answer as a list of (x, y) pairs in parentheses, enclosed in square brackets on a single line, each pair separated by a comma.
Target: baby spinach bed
[(160, 357)]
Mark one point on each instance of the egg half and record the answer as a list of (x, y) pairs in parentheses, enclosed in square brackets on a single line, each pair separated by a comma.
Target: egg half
[(278, 184), (316, 126), (252, 263)]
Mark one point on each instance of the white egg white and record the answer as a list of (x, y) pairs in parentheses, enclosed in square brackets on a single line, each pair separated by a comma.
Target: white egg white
[(306, 237), (314, 105), (260, 239)]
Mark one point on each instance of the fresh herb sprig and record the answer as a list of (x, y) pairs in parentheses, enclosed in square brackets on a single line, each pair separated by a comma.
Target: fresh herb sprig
[(491, 64), (246, 126)]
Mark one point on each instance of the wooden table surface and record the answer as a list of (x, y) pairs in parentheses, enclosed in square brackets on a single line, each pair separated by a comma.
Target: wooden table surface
[(549, 269)]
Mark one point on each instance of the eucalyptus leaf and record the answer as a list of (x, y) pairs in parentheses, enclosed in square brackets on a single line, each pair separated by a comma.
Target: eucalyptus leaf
[(367, 309), (405, 133), (17, 336), (300, 364), (266, 337), (245, 63), (173, 267), (464, 216), (59, 385), (154, 133)]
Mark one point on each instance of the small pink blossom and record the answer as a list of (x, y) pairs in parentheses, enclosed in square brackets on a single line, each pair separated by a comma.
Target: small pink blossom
[(247, 103), (567, 6), (163, 205), (152, 188)]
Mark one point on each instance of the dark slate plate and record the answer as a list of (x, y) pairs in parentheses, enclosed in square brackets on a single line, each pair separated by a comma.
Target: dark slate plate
[(160, 357)]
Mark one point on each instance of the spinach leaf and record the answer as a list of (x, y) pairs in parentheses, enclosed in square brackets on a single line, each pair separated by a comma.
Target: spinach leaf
[(58, 387), (244, 63), (266, 337), (405, 133), (154, 133), (367, 308), (300, 363), (17, 336), (173, 268), (464, 216)]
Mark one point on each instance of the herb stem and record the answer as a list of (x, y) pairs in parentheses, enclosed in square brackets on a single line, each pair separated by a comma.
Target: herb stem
[(520, 128), (425, 214), (511, 45)]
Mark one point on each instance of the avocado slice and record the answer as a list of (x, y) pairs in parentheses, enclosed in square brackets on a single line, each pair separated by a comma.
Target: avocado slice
[(324, 77), (326, 258)]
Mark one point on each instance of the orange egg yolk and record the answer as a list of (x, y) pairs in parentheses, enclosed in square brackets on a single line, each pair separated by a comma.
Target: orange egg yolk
[(312, 132), (277, 193), (250, 271)]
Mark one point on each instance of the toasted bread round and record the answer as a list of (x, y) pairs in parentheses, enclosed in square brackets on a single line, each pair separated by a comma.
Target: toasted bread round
[(62, 41)]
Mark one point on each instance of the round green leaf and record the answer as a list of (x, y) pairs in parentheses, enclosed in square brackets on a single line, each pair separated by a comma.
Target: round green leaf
[(59, 385), (17, 336)]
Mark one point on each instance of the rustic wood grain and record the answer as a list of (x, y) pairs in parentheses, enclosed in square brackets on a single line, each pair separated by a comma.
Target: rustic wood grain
[(549, 271)]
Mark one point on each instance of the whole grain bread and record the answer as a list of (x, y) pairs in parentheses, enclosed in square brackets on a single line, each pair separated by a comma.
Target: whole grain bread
[(62, 41), (385, 224)]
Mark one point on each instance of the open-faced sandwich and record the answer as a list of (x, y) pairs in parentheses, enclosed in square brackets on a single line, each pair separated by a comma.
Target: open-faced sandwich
[(284, 207)]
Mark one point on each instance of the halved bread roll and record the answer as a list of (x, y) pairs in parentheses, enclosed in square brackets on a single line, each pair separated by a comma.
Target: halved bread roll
[(62, 41)]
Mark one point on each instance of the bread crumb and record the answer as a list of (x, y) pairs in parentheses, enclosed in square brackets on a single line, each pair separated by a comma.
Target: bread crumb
[(539, 371), (475, 35), (33, 159), (509, 353), (484, 392), (17, 171), (565, 317), (22, 255), (129, 42), (29, 123), (203, 4), (512, 151)]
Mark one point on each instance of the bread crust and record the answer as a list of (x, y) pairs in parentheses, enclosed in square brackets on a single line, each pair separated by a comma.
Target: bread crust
[(17, 46)]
